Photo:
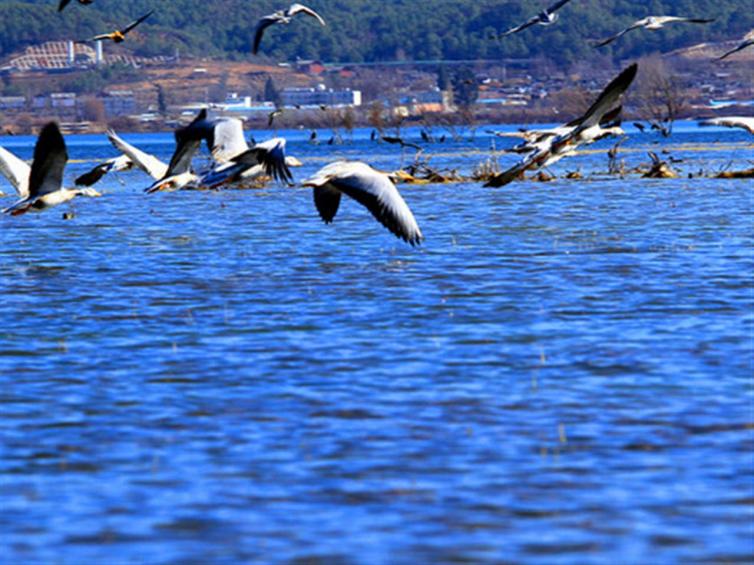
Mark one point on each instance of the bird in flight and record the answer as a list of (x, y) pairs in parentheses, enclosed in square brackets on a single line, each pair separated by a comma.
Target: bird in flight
[(41, 185), (370, 188), (731, 122), (652, 23), (546, 17), (282, 17), (116, 164), (395, 140), (747, 42), (64, 3), (587, 129), (119, 36)]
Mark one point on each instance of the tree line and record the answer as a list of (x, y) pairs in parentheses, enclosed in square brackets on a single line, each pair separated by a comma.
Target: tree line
[(368, 31)]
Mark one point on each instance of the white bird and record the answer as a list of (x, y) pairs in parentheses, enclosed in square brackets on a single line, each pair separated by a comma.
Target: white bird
[(115, 164), (282, 17), (267, 157), (44, 187), (746, 123), (16, 171), (372, 189), (652, 23), (747, 42), (144, 161), (545, 18), (587, 129)]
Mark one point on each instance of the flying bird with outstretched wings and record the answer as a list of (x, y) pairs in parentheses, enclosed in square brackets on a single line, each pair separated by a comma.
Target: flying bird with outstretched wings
[(545, 18), (119, 36), (652, 23), (282, 17)]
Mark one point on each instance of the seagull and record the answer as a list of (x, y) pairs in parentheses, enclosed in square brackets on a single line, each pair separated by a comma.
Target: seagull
[(119, 36), (116, 164), (372, 189), (652, 23), (588, 128), (41, 185), (282, 17), (64, 3), (731, 122), (546, 17), (747, 42)]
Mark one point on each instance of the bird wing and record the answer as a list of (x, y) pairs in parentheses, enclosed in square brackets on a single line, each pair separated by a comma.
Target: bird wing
[(147, 163), (50, 157), (271, 155), (730, 122), (134, 23), (63, 4), (671, 19), (229, 140), (94, 175), (185, 150), (373, 190), (607, 99), (100, 37), (263, 24), (541, 154), (557, 6), (327, 201), (744, 45), (301, 9), (521, 27), (636, 24), (16, 171)]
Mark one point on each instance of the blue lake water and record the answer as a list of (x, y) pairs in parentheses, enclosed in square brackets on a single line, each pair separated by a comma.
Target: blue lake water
[(561, 373)]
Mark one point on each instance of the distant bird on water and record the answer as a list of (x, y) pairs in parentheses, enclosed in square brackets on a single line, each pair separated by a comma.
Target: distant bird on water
[(731, 122), (546, 17), (41, 185), (370, 188), (747, 42), (64, 3), (652, 23), (282, 17), (119, 36)]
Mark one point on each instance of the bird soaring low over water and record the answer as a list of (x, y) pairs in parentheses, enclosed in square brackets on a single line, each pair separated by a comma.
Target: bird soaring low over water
[(64, 3), (41, 185), (587, 129), (119, 36), (746, 123), (282, 17), (116, 164), (545, 18), (372, 189), (652, 23)]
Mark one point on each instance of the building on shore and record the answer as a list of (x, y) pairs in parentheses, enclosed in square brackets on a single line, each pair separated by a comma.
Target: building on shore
[(319, 96)]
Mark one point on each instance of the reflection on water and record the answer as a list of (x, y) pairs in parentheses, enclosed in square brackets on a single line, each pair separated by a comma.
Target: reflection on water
[(560, 373)]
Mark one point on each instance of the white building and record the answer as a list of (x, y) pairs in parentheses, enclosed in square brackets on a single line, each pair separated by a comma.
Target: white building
[(320, 96)]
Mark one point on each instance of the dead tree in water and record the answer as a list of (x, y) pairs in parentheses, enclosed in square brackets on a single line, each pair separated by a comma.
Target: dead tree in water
[(659, 94)]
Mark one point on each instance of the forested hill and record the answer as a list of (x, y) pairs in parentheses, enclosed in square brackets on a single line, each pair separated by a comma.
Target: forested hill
[(371, 30)]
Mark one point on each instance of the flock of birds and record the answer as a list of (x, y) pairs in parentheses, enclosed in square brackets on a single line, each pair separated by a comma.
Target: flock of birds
[(40, 185)]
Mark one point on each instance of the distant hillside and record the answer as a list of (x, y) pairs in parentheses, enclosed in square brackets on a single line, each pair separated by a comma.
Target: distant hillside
[(368, 30)]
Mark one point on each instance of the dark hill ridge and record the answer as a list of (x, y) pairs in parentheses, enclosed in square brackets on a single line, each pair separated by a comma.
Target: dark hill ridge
[(361, 30)]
